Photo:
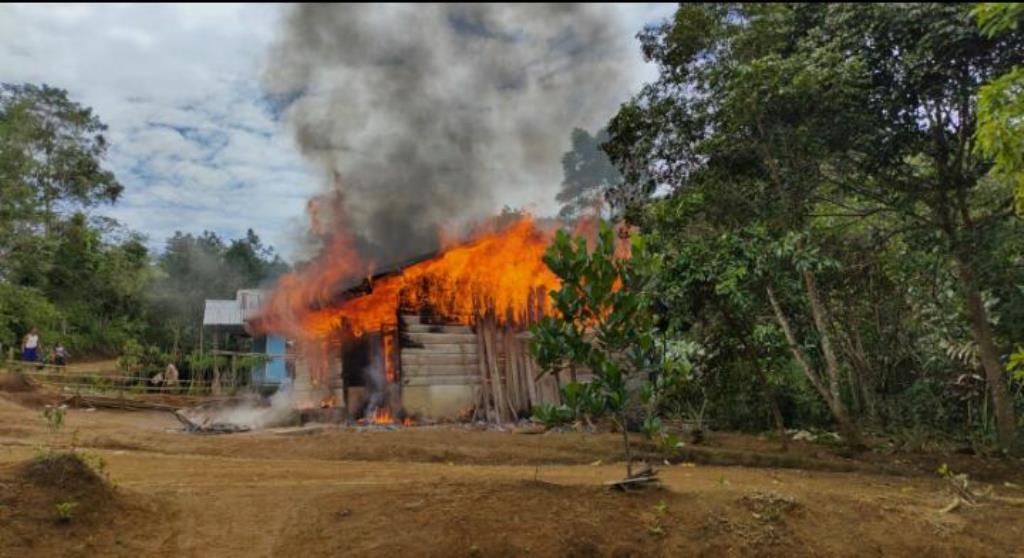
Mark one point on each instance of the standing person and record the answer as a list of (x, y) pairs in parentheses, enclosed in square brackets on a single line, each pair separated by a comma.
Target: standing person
[(60, 355), (171, 376), (30, 346)]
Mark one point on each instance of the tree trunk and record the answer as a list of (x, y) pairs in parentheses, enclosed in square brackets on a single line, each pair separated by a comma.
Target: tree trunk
[(981, 330), (794, 348), (846, 427), (769, 391), (853, 380), (773, 402), (862, 375), (825, 340), (867, 380)]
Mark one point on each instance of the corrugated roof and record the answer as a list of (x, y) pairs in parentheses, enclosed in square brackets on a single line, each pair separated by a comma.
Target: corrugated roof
[(233, 312), (222, 312)]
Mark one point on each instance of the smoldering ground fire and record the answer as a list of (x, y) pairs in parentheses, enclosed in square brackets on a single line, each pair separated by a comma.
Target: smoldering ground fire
[(423, 118)]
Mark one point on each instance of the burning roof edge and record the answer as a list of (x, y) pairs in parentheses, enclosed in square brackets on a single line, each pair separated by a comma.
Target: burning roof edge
[(365, 286)]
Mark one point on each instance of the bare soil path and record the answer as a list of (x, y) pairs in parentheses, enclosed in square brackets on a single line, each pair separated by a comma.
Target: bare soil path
[(454, 492)]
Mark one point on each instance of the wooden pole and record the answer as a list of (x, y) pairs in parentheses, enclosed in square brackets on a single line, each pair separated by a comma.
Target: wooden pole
[(215, 384), (516, 350), (512, 370), (492, 368), (504, 375), (531, 382), (511, 393), (493, 384), (481, 358)]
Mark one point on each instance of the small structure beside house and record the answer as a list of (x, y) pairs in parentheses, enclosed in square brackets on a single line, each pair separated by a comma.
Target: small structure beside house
[(223, 319)]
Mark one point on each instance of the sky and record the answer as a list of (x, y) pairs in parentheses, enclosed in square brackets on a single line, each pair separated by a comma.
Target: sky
[(193, 138)]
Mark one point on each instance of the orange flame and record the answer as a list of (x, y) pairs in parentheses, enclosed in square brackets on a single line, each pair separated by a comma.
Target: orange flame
[(382, 416), (497, 272), (389, 355)]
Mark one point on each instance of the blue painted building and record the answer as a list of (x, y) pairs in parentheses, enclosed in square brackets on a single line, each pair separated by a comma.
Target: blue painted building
[(226, 318), (274, 371)]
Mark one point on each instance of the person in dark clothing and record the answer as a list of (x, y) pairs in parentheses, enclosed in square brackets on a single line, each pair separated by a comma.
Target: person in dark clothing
[(60, 355)]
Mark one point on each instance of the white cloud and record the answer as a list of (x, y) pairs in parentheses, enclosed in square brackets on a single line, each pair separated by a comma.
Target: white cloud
[(191, 138)]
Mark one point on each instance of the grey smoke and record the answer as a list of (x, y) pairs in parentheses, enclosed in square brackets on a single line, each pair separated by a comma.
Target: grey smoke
[(426, 115)]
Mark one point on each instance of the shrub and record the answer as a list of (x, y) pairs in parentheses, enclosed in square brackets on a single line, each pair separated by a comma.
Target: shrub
[(65, 510)]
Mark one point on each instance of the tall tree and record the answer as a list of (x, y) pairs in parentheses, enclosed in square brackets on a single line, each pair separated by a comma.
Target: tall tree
[(728, 118), (51, 157), (587, 175), (921, 68), (782, 112), (253, 262), (61, 270)]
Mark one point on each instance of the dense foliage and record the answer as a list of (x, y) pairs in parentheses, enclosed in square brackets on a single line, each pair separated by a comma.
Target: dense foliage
[(1001, 101), (605, 325), (82, 279), (830, 228)]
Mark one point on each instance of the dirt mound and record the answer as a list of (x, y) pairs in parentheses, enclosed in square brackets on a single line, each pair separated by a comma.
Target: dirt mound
[(57, 504), (66, 471), (17, 388), (15, 382)]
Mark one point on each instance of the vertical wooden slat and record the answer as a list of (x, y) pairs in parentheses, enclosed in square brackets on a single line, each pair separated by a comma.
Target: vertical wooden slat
[(531, 374), (484, 376), (492, 369), (517, 351), (528, 383), (524, 374), (507, 385), (516, 371), (509, 369)]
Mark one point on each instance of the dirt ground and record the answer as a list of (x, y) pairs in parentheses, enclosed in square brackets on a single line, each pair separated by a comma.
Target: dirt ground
[(455, 491)]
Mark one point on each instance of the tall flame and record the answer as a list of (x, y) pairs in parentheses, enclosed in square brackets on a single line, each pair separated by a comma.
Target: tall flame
[(499, 272)]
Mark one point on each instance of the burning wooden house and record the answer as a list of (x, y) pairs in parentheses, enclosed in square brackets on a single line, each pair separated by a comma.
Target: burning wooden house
[(436, 338)]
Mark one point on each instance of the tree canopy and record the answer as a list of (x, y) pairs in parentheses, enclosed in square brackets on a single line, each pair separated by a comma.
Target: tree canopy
[(83, 279), (844, 136)]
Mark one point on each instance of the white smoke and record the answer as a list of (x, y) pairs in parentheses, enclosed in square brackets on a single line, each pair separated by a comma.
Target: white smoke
[(253, 413)]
